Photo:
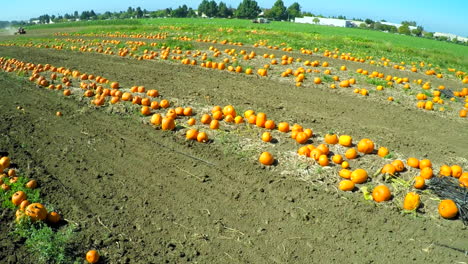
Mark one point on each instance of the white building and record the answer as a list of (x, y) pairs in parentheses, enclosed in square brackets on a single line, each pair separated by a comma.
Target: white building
[(396, 25), (324, 21), (450, 36)]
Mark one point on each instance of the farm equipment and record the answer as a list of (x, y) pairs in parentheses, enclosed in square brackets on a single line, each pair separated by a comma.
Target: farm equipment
[(20, 31)]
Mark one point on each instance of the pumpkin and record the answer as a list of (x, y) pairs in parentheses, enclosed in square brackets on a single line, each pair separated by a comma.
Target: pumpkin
[(365, 146), (359, 176), (283, 127), (337, 159), (218, 115), (324, 148), (425, 163), (388, 169), (202, 137), (323, 160), (345, 140), (188, 111), (346, 185), (382, 152), (331, 139), (53, 217), (445, 170), (270, 124), (351, 153), (266, 137), (427, 173), (457, 171), (419, 182), (413, 162), (191, 134), (145, 110), (303, 151), (24, 204), (164, 103), (345, 165), (36, 212), (214, 124), (229, 110), (156, 119), (191, 121), (266, 158), (205, 119), (92, 256), (168, 123), (19, 215), (5, 162), (114, 85), (315, 154), (238, 120), (412, 201), (381, 193), (301, 137), (18, 197), (448, 209), (399, 165), (345, 173)]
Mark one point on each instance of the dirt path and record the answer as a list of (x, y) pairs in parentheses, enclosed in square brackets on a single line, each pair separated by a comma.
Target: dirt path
[(139, 196)]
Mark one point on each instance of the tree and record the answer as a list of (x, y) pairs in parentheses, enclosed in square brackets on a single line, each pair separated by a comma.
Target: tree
[(278, 11), (247, 9), (369, 21), (409, 23), (417, 31), (316, 20), (294, 10), (223, 10), (363, 25), (428, 34), (139, 12), (181, 11), (75, 15), (404, 29)]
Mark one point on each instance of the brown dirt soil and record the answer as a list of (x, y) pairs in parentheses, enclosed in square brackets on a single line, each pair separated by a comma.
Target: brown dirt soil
[(140, 196)]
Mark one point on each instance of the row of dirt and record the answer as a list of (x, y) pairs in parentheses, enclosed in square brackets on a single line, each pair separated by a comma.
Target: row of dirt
[(146, 196)]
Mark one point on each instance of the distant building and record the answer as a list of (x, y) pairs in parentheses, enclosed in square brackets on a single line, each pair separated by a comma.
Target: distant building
[(450, 36), (324, 21), (396, 25)]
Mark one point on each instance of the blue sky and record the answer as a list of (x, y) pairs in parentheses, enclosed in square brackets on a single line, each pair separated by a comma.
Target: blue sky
[(450, 16)]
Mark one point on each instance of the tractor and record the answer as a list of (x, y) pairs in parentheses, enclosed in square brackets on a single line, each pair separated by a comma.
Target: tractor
[(20, 31)]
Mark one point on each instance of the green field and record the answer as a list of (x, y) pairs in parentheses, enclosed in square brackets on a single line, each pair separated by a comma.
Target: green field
[(359, 42)]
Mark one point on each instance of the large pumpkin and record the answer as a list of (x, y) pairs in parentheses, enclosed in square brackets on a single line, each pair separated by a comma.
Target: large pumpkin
[(36, 211)]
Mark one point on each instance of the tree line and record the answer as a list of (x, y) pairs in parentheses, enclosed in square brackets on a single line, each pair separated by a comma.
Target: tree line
[(247, 9)]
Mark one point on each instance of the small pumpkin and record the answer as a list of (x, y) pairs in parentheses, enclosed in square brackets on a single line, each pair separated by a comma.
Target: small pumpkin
[(448, 209), (191, 134), (359, 176), (412, 201), (202, 137), (266, 137), (18, 197), (53, 217), (345, 140), (331, 139), (168, 123), (24, 204), (365, 146), (381, 193), (36, 211), (156, 119), (382, 152), (92, 256), (266, 158), (346, 185)]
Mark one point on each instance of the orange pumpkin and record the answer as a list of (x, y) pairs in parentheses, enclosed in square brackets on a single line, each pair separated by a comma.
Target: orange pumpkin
[(168, 123), (266, 158), (92, 256), (36, 212), (381, 193), (346, 185), (448, 209), (359, 176), (331, 139), (202, 137), (18, 197), (345, 140), (412, 201), (365, 146)]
